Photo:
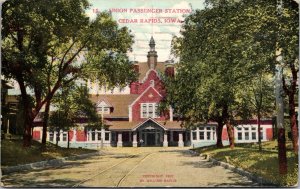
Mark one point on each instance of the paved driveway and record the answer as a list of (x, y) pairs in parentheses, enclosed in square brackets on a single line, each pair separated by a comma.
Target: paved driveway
[(126, 167)]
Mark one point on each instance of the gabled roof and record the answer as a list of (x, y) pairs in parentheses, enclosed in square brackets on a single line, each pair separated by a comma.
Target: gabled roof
[(149, 119), (131, 126), (143, 69), (119, 102), (140, 96), (147, 75), (105, 101)]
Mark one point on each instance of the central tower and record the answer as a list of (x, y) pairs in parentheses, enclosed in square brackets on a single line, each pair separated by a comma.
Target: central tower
[(152, 55)]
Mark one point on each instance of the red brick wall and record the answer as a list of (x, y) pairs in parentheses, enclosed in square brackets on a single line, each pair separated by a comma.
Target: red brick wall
[(158, 85), (146, 98), (134, 88), (80, 136), (224, 134), (269, 133), (36, 135), (71, 134)]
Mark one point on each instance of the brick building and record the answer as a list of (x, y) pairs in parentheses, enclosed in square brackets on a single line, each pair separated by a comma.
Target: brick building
[(132, 118)]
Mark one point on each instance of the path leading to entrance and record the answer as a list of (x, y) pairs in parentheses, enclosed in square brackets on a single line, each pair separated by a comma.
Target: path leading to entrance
[(126, 167)]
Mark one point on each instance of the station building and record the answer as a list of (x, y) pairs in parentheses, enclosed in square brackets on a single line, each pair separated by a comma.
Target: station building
[(132, 117)]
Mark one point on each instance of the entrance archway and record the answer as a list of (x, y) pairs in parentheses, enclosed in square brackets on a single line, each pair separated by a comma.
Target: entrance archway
[(150, 134)]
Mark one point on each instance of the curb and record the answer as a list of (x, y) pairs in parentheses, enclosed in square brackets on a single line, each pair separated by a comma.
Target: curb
[(242, 172), (46, 164)]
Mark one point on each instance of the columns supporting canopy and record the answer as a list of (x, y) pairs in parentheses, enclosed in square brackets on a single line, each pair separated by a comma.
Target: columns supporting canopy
[(120, 142), (134, 143), (180, 140), (165, 143)]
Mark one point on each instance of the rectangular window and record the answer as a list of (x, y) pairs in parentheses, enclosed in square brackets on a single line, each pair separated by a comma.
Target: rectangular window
[(51, 137), (253, 135), (64, 136), (239, 128), (149, 110), (99, 136), (239, 136), (201, 135), (106, 136), (213, 135), (194, 135), (208, 135), (93, 135), (246, 135), (253, 128), (201, 128)]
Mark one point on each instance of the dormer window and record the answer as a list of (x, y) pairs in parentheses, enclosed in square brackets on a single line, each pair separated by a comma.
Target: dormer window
[(103, 110), (103, 107)]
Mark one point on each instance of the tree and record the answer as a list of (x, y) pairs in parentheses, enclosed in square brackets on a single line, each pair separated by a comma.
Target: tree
[(258, 99), (223, 45), (44, 43), (72, 104)]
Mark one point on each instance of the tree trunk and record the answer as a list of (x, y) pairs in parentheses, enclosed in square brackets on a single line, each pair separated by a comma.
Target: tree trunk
[(219, 134), (57, 136), (27, 113), (293, 122), (68, 139), (259, 133), (45, 123), (282, 152), (230, 134)]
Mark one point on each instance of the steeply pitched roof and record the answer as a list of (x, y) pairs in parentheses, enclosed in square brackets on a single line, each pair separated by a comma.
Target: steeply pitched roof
[(143, 69), (119, 103)]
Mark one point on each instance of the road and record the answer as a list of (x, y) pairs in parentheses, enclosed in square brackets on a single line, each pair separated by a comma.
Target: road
[(128, 167)]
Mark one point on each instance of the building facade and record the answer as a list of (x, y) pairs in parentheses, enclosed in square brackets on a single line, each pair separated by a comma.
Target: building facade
[(132, 117)]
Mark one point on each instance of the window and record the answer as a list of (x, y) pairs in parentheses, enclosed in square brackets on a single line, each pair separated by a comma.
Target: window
[(201, 135), (253, 136), (149, 110), (106, 136), (246, 135), (194, 135), (208, 135), (93, 135), (64, 136), (239, 136), (99, 136), (51, 137), (144, 110), (103, 109)]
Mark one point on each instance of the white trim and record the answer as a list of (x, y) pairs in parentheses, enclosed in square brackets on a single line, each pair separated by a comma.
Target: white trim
[(143, 94), (146, 121), (130, 113), (154, 109), (147, 75)]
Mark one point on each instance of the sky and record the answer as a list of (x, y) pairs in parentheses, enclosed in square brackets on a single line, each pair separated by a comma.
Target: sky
[(162, 23)]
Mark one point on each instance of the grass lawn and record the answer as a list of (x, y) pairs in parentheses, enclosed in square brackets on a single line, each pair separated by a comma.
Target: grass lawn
[(263, 163), (13, 153)]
